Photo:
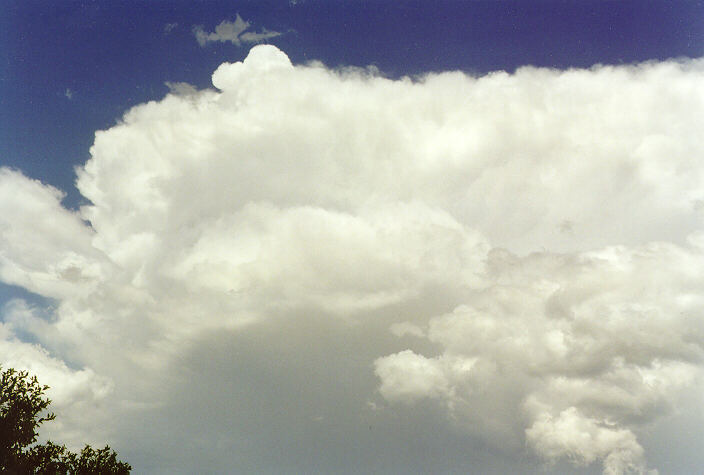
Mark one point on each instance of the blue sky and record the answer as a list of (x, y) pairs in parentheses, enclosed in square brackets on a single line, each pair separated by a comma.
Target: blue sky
[(444, 263)]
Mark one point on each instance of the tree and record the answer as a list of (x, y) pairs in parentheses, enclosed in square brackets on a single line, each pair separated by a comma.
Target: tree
[(22, 403)]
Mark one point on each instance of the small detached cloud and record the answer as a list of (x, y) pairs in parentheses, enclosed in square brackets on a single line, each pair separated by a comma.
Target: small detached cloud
[(169, 27), (234, 32), (69, 94)]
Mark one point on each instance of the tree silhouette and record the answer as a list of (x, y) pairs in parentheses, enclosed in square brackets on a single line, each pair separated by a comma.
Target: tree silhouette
[(22, 403)]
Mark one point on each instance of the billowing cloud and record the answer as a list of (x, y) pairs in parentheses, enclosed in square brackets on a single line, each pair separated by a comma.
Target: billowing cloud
[(233, 31), (574, 352), (309, 266)]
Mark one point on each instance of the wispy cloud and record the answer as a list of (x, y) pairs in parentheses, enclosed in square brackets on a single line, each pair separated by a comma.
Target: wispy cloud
[(169, 27), (234, 32), (181, 88), (68, 93)]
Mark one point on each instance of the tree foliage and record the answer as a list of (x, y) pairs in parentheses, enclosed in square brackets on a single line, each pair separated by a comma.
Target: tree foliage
[(22, 411)]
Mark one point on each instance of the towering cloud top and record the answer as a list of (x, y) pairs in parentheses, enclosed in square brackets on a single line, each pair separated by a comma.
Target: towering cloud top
[(263, 59)]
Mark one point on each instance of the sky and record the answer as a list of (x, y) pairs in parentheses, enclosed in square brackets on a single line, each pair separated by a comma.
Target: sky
[(358, 237)]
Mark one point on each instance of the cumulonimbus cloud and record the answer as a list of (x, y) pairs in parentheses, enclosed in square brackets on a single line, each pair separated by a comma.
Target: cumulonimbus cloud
[(436, 205)]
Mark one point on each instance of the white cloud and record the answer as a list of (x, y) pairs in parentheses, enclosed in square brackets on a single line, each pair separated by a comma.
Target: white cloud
[(54, 258), (408, 377), (250, 247), (76, 394), (585, 440), (234, 32), (169, 27), (67, 385)]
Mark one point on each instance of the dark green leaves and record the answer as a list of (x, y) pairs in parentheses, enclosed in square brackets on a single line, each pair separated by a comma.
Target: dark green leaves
[(22, 407)]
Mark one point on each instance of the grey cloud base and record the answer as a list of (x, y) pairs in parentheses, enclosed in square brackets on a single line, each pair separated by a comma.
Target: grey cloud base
[(325, 270)]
